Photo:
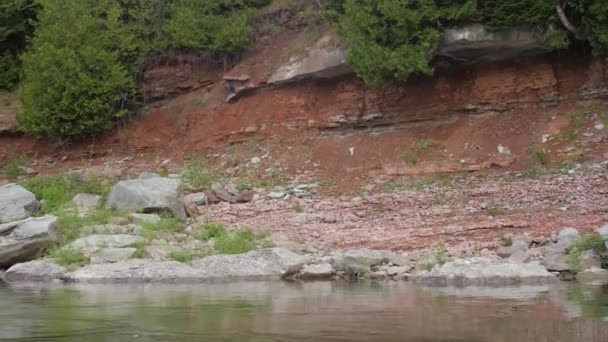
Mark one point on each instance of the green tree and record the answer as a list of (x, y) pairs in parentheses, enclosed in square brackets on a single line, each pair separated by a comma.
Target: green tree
[(74, 83), (15, 27), (391, 39)]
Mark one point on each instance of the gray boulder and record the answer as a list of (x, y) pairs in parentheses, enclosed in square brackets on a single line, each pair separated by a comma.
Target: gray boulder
[(140, 219), (567, 235), (322, 271), (137, 271), (93, 243), (484, 271), (555, 258), (37, 270), (603, 231), (104, 229), (593, 275), (22, 240), (151, 194), (364, 256), (16, 203), (263, 264), (86, 202), (111, 255)]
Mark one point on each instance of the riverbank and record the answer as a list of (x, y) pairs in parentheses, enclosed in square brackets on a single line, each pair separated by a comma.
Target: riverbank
[(190, 227)]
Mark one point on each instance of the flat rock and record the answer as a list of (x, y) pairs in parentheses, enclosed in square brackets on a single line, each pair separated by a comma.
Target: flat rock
[(23, 240), (95, 242), (37, 270), (16, 203), (137, 271), (263, 264), (86, 202), (222, 193), (104, 229), (153, 194), (317, 272), (484, 271), (159, 252), (198, 198), (111, 255), (364, 256), (140, 219)]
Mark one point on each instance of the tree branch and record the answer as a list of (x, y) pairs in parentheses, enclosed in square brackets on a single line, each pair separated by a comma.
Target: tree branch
[(562, 17)]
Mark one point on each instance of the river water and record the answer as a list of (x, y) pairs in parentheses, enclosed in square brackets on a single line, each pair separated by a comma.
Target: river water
[(321, 311)]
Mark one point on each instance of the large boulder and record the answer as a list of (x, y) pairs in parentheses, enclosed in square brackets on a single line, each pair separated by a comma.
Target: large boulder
[(153, 194), (137, 271), (555, 258), (111, 255), (484, 271), (568, 235), (22, 240), (263, 264), (16, 203), (37, 270)]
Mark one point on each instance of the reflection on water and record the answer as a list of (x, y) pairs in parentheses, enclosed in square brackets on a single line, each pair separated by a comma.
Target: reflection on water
[(303, 312)]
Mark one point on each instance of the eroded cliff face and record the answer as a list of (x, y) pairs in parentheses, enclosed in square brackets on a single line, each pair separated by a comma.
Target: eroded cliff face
[(475, 116)]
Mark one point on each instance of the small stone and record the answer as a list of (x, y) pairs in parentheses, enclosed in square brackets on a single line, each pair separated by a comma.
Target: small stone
[(256, 160), (277, 195), (599, 126), (119, 221), (199, 198), (503, 150), (245, 197), (222, 193)]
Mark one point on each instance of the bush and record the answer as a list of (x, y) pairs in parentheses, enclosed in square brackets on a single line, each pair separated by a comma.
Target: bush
[(210, 231), (74, 84), (67, 256), (16, 18), (593, 242)]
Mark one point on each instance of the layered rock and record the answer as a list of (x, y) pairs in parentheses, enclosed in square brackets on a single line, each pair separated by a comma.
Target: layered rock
[(16, 203), (484, 271), (37, 270), (22, 240)]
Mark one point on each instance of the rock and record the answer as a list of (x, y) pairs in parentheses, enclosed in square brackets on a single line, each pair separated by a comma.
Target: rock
[(95, 242), (589, 260), (137, 271), (603, 232), (245, 197), (520, 256), (104, 229), (555, 258), (378, 275), (317, 272), (23, 240), (148, 175), (110, 255), (222, 193), (199, 198), (37, 270), (119, 221), (484, 271), (264, 264), (276, 195), (256, 160), (593, 275), (398, 270), (364, 256), (159, 252), (86, 202), (149, 195), (567, 235), (16, 203), (140, 219), (516, 246)]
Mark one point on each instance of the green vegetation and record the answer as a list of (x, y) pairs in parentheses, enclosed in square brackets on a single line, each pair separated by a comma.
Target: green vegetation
[(12, 167), (440, 257), (70, 224), (198, 174), (410, 158), (232, 242), (390, 40), (181, 255), (506, 240), (57, 191), (593, 242), (166, 225), (423, 144), (66, 256), (85, 58), (539, 155)]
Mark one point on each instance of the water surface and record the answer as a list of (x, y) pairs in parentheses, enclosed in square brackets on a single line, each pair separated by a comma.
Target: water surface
[(302, 312)]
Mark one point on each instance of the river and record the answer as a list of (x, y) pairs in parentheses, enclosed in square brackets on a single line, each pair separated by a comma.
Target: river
[(323, 311)]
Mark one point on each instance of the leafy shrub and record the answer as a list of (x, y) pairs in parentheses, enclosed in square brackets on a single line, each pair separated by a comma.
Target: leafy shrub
[(181, 256), (211, 230), (593, 242), (198, 174), (166, 225), (11, 168), (67, 256), (16, 18)]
